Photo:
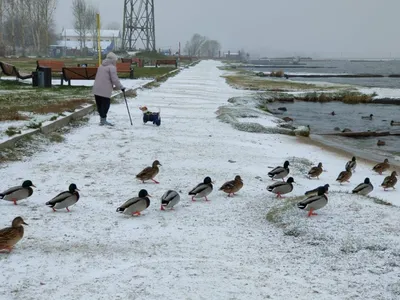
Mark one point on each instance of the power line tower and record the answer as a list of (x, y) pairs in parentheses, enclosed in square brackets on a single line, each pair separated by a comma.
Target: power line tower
[(138, 28)]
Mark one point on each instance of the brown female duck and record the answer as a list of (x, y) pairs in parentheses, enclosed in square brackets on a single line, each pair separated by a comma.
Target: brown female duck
[(381, 167), (390, 181), (315, 171), (11, 235), (233, 186), (344, 176), (149, 173)]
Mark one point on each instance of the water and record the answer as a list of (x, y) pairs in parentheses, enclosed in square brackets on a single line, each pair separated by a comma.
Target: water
[(348, 67), (318, 116)]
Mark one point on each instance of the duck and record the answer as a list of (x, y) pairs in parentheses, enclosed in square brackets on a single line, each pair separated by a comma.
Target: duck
[(368, 117), (280, 172), (149, 173), (233, 186), (380, 143), (170, 199), (315, 191), (65, 199), (389, 181), (381, 167), (202, 189), (333, 113), (315, 171), (394, 123), (136, 205), (352, 164), (11, 235), (364, 188), (18, 193), (344, 176), (281, 188), (314, 202)]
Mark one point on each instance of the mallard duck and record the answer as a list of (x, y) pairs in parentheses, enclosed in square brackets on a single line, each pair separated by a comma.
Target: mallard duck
[(315, 191), (344, 176), (315, 171), (135, 205), (381, 167), (281, 188), (314, 202), (390, 181), (149, 173), (364, 188), (233, 186), (202, 189), (394, 123), (367, 117), (65, 199), (352, 164), (17, 193), (11, 235), (381, 143), (280, 172), (170, 199)]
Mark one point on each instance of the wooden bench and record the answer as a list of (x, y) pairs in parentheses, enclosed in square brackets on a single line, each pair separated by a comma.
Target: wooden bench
[(55, 65), (78, 73), (11, 70), (166, 62), (125, 67), (133, 60)]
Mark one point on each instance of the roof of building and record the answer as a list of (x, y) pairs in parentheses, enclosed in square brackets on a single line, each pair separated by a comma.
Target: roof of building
[(103, 33), (77, 45)]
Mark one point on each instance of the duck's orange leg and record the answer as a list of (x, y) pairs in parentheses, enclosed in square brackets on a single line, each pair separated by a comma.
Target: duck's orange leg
[(312, 213), (155, 181), (15, 201)]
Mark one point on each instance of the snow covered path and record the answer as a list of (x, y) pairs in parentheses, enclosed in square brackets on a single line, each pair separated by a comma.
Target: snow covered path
[(222, 249)]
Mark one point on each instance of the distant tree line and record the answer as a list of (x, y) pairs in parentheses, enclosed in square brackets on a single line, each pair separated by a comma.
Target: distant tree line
[(26, 26), (202, 46)]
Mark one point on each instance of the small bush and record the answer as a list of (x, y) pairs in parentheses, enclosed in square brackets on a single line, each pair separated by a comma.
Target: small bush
[(12, 131)]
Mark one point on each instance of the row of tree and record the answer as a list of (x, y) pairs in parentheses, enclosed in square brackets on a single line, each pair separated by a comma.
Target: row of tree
[(202, 46), (26, 25)]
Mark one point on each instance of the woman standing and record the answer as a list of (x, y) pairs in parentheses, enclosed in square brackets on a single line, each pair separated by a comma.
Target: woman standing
[(104, 83)]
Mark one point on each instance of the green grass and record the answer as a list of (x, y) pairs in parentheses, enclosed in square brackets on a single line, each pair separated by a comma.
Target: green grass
[(256, 83), (151, 72)]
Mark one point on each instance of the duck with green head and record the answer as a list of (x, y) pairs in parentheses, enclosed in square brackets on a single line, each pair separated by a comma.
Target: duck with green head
[(17, 193), (65, 199)]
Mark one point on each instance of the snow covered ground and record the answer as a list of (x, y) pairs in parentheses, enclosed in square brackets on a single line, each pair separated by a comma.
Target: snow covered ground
[(223, 249)]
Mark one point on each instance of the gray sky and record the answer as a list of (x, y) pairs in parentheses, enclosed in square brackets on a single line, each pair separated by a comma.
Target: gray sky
[(324, 28)]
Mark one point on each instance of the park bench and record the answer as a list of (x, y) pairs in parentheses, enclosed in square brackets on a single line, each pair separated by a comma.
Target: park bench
[(11, 70), (125, 67), (166, 62), (55, 65), (78, 73), (133, 60)]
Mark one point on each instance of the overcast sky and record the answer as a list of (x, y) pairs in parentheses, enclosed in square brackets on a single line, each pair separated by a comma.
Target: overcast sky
[(324, 28)]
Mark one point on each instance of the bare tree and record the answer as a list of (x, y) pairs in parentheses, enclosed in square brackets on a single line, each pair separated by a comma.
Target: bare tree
[(193, 46), (91, 23), (210, 48), (79, 9), (2, 47)]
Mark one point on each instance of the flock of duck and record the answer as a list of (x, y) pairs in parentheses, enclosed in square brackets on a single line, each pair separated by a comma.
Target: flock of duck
[(315, 199)]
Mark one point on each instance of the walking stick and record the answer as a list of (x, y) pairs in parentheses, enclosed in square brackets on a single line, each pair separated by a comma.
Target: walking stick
[(127, 107)]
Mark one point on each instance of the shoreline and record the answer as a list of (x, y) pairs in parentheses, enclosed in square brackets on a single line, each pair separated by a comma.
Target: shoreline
[(362, 156)]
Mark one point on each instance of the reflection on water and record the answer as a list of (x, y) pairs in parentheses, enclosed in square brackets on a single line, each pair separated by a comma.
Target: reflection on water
[(318, 116)]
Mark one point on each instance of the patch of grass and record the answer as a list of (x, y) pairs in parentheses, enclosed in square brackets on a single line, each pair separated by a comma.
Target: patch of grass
[(348, 97), (151, 72), (262, 84), (55, 137), (53, 118), (12, 131), (34, 125), (278, 74), (11, 115)]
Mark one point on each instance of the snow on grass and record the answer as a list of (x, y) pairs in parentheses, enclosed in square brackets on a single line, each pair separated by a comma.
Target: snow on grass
[(380, 93), (222, 249)]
